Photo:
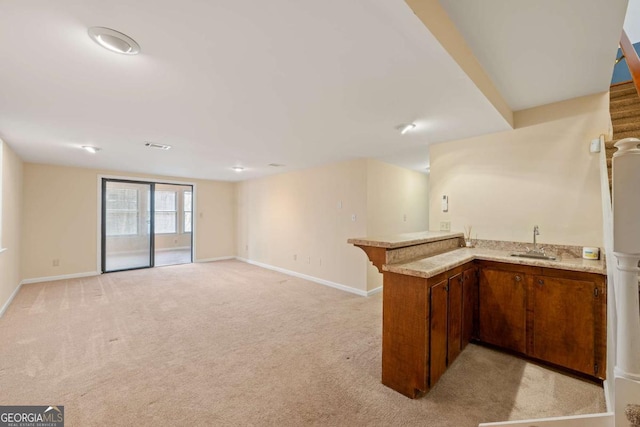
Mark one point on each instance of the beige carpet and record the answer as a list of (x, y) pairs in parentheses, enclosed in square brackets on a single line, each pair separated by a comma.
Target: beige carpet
[(228, 343)]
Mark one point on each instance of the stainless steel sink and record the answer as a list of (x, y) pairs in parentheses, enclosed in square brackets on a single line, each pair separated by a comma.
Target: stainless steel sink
[(534, 256)]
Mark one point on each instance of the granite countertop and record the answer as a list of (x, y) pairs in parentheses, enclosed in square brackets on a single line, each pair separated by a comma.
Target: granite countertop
[(433, 265), (406, 239)]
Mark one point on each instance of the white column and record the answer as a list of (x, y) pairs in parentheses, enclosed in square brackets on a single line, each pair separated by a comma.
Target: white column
[(626, 246), (628, 306)]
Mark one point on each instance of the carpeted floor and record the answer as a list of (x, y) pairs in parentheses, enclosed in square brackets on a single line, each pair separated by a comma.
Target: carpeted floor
[(228, 343)]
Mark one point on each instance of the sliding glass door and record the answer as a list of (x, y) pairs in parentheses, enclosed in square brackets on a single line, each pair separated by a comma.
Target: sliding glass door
[(172, 220), (127, 229), (145, 224)]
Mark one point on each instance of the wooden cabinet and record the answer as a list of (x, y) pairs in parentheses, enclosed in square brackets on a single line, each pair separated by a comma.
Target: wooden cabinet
[(565, 323), (422, 327), (469, 306), (438, 349), (555, 316), (405, 334), (502, 318), (447, 335), (454, 335)]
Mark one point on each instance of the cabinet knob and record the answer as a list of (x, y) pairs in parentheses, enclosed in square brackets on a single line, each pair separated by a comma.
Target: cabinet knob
[(518, 278), (540, 282)]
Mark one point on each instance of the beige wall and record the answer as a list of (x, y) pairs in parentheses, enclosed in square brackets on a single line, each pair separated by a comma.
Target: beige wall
[(308, 214), (298, 214), (61, 219), (10, 275), (541, 173), (397, 202)]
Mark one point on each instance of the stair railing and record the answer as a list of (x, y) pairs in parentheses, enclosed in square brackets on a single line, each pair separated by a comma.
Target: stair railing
[(633, 61)]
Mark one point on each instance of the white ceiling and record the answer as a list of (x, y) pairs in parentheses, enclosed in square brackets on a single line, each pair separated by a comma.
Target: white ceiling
[(299, 83), (542, 51), (632, 21)]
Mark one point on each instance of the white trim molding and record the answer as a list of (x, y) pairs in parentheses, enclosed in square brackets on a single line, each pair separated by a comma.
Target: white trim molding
[(10, 300), (312, 278), (589, 420), (374, 291), (61, 277), (222, 258)]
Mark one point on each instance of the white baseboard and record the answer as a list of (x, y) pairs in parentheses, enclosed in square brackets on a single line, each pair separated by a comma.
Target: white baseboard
[(61, 277), (591, 420), (312, 278), (374, 291), (222, 258), (8, 303), (607, 394)]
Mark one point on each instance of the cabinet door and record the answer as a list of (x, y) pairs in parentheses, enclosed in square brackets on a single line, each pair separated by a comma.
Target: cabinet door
[(438, 328), (469, 306), (564, 322), (454, 344), (502, 319)]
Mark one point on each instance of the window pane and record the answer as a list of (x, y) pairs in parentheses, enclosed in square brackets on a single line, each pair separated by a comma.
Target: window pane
[(187, 201), (165, 201), (165, 222), (187, 222), (122, 199), (187, 211), (122, 223)]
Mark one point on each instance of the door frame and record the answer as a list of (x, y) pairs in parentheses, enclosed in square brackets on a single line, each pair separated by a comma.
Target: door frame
[(194, 216)]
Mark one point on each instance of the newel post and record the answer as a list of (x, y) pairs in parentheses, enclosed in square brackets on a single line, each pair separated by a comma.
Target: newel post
[(626, 247)]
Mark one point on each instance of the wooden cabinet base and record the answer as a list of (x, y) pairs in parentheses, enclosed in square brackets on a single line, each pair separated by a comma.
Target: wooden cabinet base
[(422, 327), (404, 334), (553, 316)]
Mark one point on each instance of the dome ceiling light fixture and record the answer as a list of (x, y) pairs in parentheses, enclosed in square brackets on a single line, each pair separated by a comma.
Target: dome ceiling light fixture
[(237, 168), (114, 40)]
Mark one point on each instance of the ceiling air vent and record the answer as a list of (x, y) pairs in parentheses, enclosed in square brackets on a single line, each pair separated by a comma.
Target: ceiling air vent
[(276, 165), (156, 146)]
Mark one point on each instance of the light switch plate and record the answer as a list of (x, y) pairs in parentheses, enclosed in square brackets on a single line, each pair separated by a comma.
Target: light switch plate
[(445, 225)]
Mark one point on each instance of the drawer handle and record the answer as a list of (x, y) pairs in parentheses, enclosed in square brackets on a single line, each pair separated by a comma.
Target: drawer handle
[(540, 282), (518, 278)]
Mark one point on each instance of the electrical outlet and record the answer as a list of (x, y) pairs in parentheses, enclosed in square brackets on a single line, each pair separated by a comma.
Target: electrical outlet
[(404, 218), (445, 225), (309, 260), (56, 262), (295, 257), (354, 217)]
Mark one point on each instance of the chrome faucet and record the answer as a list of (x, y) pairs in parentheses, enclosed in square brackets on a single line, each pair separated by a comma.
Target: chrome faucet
[(536, 232)]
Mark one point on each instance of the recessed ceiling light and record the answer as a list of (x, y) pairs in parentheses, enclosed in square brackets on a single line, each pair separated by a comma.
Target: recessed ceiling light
[(157, 146), (238, 168), (276, 165), (90, 149), (114, 40), (404, 128)]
